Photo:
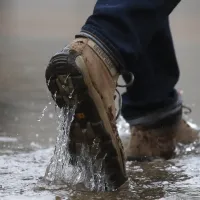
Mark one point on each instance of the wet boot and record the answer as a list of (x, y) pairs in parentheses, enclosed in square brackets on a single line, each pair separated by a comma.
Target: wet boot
[(85, 74), (156, 134), (185, 134)]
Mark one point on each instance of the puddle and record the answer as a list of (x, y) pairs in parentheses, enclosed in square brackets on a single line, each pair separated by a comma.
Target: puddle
[(21, 175)]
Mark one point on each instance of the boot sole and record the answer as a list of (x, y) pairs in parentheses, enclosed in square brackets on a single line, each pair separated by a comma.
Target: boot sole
[(71, 82)]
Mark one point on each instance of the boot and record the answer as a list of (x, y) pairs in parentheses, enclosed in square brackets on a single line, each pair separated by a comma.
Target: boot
[(85, 74), (156, 135)]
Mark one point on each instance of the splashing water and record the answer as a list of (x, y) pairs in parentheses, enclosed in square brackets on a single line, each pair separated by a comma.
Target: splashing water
[(86, 173), (42, 115), (89, 173), (60, 160), (43, 112)]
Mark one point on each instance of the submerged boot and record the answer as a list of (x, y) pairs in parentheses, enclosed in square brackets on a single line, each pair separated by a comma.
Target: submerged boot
[(156, 134), (84, 73)]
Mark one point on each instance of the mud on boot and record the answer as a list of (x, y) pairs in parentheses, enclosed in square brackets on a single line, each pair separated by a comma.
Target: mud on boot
[(156, 134)]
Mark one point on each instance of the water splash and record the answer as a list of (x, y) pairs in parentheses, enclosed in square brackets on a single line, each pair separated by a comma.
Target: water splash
[(124, 130), (42, 115), (43, 112), (48, 81), (60, 159), (87, 172)]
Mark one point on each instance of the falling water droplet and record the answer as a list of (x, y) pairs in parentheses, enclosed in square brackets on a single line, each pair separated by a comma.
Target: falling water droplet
[(55, 95), (48, 82), (71, 94), (42, 115)]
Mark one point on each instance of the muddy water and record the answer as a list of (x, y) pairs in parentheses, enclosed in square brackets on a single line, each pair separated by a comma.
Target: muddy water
[(30, 32)]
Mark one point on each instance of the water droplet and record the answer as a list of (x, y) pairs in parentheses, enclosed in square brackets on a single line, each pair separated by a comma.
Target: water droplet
[(42, 115), (48, 82), (65, 81), (51, 115), (71, 94), (55, 95)]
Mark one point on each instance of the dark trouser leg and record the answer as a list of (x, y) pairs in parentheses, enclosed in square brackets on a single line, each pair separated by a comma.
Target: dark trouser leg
[(156, 74), (127, 27), (137, 33)]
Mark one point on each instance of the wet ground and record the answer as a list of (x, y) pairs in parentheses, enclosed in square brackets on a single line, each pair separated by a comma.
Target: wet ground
[(30, 32)]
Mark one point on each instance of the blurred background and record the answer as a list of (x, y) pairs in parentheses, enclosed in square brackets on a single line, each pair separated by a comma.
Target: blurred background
[(32, 31)]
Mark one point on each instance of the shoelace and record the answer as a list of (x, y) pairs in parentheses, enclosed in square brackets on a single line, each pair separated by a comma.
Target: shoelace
[(187, 111), (123, 86)]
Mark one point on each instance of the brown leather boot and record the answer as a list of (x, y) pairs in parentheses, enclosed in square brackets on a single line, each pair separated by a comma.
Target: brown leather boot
[(185, 134), (83, 73), (159, 140), (147, 144), (156, 133)]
